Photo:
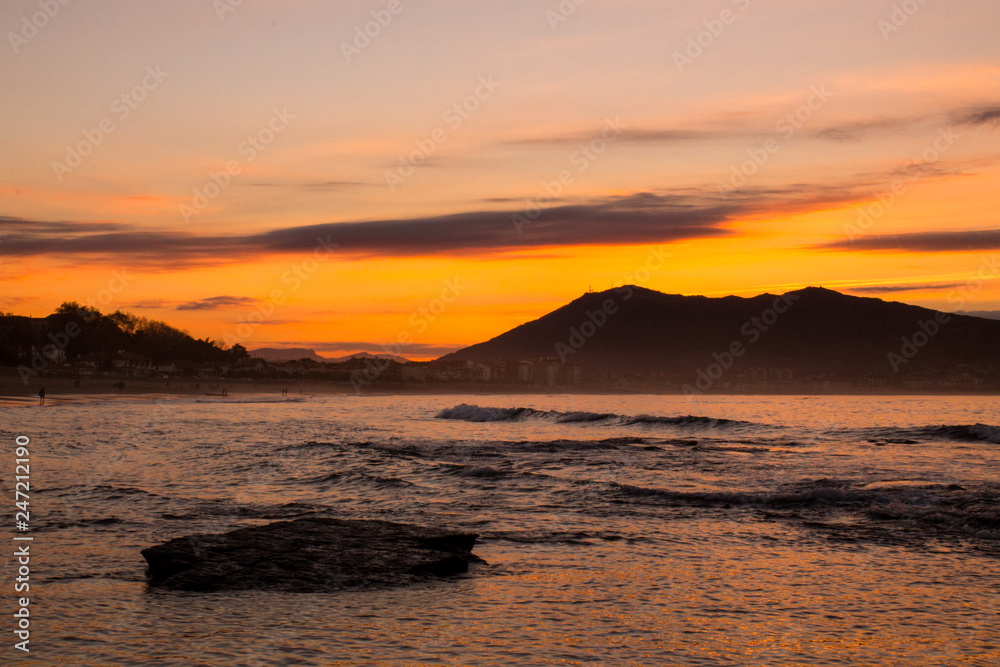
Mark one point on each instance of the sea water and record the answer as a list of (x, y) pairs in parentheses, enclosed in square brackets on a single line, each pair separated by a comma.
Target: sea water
[(617, 530)]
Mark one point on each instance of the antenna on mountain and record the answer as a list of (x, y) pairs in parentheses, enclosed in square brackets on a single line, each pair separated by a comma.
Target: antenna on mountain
[(590, 288)]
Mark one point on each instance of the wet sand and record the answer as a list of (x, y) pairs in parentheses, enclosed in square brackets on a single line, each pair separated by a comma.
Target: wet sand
[(60, 391)]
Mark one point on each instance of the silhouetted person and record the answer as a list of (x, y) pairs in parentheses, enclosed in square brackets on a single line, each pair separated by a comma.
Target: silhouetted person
[(41, 396)]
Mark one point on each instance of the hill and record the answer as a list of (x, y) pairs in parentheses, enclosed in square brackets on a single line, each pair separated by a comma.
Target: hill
[(296, 353), (286, 354), (810, 332)]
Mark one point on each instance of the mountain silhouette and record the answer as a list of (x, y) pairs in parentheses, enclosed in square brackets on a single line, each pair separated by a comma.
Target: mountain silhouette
[(812, 331), (274, 354)]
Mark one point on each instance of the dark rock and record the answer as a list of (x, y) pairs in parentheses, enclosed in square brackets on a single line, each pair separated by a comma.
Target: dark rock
[(309, 555)]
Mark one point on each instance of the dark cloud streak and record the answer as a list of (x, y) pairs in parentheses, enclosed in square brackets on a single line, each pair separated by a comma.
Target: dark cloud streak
[(325, 185), (987, 115), (960, 241), (855, 130), (634, 219), (638, 135), (902, 287), (217, 303), (641, 218)]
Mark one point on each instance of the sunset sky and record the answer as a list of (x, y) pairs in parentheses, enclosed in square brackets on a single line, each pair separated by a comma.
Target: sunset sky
[(264, 172)]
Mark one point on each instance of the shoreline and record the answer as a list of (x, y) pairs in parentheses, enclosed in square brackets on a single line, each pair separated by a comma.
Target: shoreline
[(63, 391)]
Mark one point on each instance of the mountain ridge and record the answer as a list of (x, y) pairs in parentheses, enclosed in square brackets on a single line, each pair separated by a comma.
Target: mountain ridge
[(814, 330), (279, 354)]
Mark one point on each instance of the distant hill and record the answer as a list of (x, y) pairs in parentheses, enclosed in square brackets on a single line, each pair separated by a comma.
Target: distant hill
[(987, 314), (286, 354), (296, 353), (368, 355), (812, 331)]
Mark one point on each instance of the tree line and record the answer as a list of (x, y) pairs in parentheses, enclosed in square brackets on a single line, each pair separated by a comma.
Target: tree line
[(82, 330)]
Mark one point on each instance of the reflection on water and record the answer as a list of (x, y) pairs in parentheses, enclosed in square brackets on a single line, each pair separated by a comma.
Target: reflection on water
[(780, 531)]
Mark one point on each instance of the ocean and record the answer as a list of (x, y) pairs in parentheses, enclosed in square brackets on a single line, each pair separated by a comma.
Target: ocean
[(616, 530)]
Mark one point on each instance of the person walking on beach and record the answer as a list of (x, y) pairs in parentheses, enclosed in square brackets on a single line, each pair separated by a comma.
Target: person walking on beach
[(41, 396)]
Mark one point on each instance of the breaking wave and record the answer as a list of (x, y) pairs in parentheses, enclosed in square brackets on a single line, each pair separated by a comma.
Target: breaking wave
[(973, 433), (475, 413), (956, 432), (926, 508)]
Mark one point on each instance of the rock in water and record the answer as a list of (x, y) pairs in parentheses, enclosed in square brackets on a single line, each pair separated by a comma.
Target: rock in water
[(309, 555)]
